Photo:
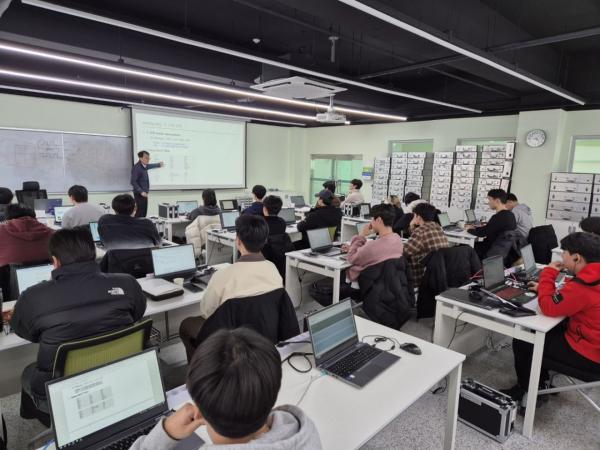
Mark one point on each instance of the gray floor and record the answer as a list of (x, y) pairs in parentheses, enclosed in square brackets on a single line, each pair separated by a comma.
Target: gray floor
[(565, 422)]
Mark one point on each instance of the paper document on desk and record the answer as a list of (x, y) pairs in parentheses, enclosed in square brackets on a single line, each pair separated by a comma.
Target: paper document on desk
[(159, 289), (286, 351), (533, 304)]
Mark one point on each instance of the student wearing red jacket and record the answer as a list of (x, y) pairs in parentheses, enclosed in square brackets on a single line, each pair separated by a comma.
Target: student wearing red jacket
[(576, 341)]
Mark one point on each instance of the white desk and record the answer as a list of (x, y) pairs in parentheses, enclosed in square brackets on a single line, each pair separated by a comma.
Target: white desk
[(170, 224), (215, 239), (530, 329), (324, 265), (349, 227), (461, 237)]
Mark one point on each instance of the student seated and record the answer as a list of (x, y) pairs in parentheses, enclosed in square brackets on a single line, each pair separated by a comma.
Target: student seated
[(402, 222), (590, 225), (426, 236), (330, 186), (209, 207), (251, 275), (354, 197), (325, 215), (271, 207), (79, 301), (22, 238), (502, 221), (123, 230), (234, 379), (6, 197), (83, 212), (577, 342), (522, 214), (256, 208), (394, 200), (363, 253)]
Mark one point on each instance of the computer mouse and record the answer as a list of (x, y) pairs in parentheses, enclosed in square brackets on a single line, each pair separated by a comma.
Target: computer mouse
[(411, 348)]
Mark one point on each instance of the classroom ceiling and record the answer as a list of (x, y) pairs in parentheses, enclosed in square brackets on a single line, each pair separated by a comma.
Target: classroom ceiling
[(554, 42)]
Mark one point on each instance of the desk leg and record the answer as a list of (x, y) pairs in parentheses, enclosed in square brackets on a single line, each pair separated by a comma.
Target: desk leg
[(210, 248), (336, 285), (234, 253), (442, 329), (452, 411), (292, 284), (168, 231), (534, 377), (167, 328)]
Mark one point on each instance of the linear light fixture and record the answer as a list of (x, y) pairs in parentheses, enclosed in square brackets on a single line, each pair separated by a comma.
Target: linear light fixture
[(463, 51), (236, 53), (144, 93), (182, 81)]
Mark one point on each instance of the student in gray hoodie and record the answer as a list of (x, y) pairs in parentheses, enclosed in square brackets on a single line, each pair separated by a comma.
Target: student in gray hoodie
[(234, 379), (522, 215)]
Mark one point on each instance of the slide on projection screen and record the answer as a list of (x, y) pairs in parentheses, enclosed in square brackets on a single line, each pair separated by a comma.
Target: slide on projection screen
[(199, 152)]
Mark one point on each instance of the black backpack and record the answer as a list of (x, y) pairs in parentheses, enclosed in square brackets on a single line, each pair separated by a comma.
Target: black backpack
[(322, 291)]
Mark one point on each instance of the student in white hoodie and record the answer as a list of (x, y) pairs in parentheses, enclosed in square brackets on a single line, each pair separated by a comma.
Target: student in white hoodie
[(234, 379)]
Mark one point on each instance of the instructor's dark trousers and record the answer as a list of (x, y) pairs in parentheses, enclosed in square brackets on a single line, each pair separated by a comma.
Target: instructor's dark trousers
[(142, 205)]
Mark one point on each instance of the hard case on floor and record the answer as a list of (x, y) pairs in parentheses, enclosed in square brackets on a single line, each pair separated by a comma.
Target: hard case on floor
[(487, 410)]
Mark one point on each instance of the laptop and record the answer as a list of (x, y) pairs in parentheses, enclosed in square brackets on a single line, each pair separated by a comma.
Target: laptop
[(446, 224), (530, 270), (228, 219), (59, 212), (177, 261), (29, 276), (339, 352), (297, 201), (95, 234), (289, 215), (361, 226), (109, 406), (187, 206), (494, 281), (364, 210), (471, 217), (320, 242), (227, 205), (46, 204)]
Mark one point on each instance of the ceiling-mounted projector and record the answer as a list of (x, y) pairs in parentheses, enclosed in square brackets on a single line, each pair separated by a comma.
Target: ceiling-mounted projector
[(331, 115)]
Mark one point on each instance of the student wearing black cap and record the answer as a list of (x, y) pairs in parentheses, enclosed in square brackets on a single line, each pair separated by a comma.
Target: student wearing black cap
[(325, 215)]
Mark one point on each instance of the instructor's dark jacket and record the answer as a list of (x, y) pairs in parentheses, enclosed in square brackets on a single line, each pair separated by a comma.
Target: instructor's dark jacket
[(139, 177), (79, 301), (121, 231)]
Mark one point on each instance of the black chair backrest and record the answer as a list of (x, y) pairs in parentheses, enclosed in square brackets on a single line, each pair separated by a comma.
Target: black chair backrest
[(28, 197), (503, 244), (271, 315), (543, 239), (275, 249), (136, 262)]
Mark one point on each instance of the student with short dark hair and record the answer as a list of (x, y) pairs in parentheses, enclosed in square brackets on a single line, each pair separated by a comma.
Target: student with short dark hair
[(78, 302), (272, 205), (123, 230), (502, 221), (354, 197), (426, 236), (325, 215), (256, 208), (388, 245), (402, 222), (234, 380), (209, 206), (576, 343), (251, 275), (6, 197), (330, 186), (82, 212), (522, 214), (590, 225)]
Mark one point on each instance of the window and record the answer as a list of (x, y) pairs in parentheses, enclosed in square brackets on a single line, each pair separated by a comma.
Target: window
[(342, 168), (585, 154)]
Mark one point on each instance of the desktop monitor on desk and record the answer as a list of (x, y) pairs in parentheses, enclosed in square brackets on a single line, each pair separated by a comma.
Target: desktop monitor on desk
[(288, 214), (177, 261), (228, 205), (187, 206), (228, 219), (365, 210)]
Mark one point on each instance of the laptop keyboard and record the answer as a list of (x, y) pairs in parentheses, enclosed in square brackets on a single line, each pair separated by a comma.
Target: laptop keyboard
[(126, 442), (354, 361)]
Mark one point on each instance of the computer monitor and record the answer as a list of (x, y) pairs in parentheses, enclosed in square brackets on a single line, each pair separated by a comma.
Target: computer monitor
[(59, 212), (493, 271), (94, 231), (228, 219), (29, 276), (297, 201), (470, 214), (187, 206), (174, 262), (288, 214), (444, 219), (97, 404), (227, 205), (46, 204), (365, 210), (319, 238)]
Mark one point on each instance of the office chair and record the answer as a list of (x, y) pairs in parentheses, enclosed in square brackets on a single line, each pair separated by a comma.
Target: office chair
[(31, 191), (137, 262)]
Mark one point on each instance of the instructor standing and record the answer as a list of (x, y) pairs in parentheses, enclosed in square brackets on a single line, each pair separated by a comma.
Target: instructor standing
[(141, 182)]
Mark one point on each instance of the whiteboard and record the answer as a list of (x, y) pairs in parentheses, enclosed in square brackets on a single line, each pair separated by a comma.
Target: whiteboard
[(59, 160)]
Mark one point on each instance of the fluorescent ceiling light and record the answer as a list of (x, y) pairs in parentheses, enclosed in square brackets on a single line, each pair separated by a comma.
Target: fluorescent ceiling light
[(237, 54), (183, 81), (455, 48), (144, 93)]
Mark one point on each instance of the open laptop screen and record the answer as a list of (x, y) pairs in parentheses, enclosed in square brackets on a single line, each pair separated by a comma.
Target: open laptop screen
[(29, 276), (186, 207), (93, 405), (173, 261), (319, 238), (288, 214), (59, 212), (470, 215), (228, 219), (528, 258), (493, 272), (332, 327), (94, 231), (444, 219), (297, 200)]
